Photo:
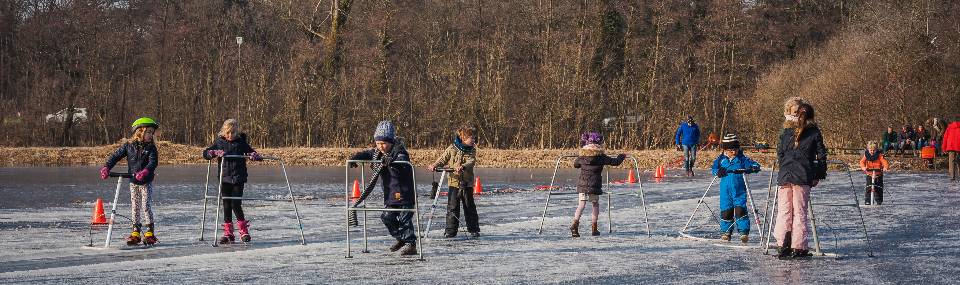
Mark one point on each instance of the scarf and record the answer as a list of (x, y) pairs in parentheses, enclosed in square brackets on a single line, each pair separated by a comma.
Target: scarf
[(457, 142), (871, 158)]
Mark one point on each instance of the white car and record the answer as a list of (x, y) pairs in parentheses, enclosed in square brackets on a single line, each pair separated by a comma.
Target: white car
[(79, 115)]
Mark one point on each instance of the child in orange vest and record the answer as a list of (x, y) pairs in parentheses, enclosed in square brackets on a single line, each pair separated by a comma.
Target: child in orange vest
[(873, 164)]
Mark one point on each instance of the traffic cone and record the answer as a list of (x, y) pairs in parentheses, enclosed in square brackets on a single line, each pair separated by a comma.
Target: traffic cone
[(477, 187), (631, 177), (356, 190), (98, 217), (660, 172)]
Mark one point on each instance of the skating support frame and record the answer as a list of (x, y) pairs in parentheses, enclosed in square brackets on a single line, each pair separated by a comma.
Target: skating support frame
[(348, 208)]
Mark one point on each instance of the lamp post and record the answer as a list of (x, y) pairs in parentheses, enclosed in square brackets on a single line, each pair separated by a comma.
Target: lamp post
[(239, 42)]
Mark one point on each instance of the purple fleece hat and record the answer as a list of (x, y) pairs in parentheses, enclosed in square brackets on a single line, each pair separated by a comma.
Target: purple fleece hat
[(591, 138)]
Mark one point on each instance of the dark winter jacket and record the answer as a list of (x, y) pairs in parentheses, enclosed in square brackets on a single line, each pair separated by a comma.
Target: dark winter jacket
[(805, 162), (907, 135), (891, 138), (235, 169), (139, 156), (591, 162), (923, 135), (688, 135), (396, 180)]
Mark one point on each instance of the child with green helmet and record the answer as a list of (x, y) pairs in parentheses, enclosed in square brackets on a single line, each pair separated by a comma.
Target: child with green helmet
[(142, 159)]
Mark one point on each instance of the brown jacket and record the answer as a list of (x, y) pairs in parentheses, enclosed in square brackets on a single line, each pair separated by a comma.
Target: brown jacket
[(454, 157)]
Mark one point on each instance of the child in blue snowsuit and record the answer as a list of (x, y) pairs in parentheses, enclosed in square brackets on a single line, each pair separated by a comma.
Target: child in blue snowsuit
[(730, 167)]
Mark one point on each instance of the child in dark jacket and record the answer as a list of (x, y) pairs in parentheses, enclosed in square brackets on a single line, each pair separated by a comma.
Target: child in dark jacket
[(397, 182), (730, 167), (142, 160), (232, 142), (591, 162), (802, 158)]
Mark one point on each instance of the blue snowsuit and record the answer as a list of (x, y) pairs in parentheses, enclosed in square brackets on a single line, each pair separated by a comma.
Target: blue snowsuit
[(733, 190)]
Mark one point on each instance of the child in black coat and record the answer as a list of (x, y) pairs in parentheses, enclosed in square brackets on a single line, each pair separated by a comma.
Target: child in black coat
[(591, 162)]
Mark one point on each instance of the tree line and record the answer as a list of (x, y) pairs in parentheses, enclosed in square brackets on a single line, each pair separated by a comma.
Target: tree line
[(528, 74)]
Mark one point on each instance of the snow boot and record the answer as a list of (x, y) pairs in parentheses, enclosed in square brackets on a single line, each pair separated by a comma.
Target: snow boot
[(785, 252), (227, 234), (725, 237), (801, 254), (244, 228), (149, 238), (575, 229), (744, 238), (134, 237), (475, 234), (409, 249), (396, 246), (593, 229)]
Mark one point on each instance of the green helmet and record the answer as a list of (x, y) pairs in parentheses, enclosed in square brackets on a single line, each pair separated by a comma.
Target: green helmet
[(144, 122)]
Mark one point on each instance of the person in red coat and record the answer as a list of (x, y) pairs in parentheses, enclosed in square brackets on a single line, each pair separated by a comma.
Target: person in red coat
[(951, 145)]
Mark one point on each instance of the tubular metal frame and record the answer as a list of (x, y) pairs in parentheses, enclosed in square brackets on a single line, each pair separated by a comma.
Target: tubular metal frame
[(348, 208)]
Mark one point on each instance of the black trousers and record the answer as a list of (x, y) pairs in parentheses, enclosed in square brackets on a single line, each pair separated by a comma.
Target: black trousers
[(232, 206), (456, 197), (400, 224), (878, 193)]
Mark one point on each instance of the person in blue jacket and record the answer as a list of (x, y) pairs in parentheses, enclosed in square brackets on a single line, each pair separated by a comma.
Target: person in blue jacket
[(730, 167), (686, 139), (398, 185)]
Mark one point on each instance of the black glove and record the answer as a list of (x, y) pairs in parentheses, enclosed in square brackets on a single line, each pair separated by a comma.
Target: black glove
[(622, 156), (739, 171), (754, 169), (353, 165), (721, 172)]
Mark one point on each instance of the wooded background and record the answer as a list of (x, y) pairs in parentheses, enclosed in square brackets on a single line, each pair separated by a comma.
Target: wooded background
[(528, 74)]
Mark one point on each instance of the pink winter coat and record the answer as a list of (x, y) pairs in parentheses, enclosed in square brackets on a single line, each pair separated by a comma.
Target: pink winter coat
[(951, 138)]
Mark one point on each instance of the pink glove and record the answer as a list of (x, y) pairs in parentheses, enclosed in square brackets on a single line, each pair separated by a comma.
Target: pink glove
[(104, 173), (255, 156), (142, 174), (214, 153)]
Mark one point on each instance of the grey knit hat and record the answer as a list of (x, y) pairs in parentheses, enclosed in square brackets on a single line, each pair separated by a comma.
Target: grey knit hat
[(385, 132), (730, 141)]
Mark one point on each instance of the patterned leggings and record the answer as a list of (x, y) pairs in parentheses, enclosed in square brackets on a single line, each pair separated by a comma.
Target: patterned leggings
[(141, 196)]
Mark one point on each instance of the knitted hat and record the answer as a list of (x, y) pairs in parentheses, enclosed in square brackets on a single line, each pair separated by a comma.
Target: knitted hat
[(591, 138), (385, 132), (730, 141)]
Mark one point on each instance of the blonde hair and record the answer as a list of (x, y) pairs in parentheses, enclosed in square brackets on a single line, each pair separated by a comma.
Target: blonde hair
[(791, 103), (230, 127), (804, 113), (139, 134), (872, 144)]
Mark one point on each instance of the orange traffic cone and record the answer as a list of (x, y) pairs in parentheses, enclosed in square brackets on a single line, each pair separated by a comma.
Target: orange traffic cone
[(660, 172), (477, 187), (356, 189), (631, 177), (98, 217)]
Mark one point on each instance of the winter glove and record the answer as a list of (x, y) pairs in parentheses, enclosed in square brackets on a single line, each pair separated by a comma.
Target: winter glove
[(104, 173), (721, 172), (622, 156), (214, 153), (739, 171), (255, 156), (754, 169), (353, 165), (679, 148), (142, 174)]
